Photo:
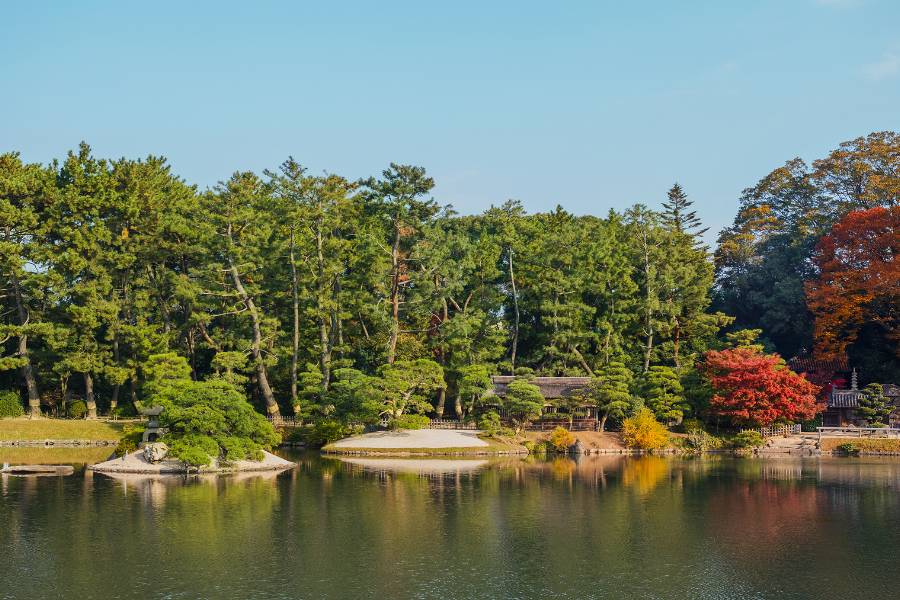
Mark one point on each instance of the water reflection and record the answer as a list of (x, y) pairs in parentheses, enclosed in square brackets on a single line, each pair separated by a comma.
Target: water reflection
[(416, 465), (598, 526)]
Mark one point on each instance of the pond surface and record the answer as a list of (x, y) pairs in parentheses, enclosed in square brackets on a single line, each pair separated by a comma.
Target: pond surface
[(601, 527)]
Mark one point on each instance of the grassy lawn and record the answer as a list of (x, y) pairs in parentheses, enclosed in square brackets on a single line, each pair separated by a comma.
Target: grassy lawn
[(58, 429), (53, 456)]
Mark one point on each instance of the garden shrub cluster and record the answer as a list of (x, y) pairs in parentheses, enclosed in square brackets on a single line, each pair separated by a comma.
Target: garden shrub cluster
[(77, 409), (324, 432), (411, 422), (207, 420), (700, 440), (746, 440), (10, 404)]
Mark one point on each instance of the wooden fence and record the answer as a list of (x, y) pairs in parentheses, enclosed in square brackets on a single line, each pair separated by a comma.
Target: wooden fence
[(777, 430), (576, 425)]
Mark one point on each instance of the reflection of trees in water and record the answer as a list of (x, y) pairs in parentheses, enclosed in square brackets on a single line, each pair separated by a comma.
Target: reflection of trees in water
[(644, 473), (561, 526)]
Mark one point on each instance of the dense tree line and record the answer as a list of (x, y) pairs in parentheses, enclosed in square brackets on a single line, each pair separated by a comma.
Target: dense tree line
[(290, 284), (332, 298), (810, 258)]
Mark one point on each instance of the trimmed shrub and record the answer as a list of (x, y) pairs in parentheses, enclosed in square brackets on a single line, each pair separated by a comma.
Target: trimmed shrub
[(10, 404), (642, 431), (411, 422), (748, 439), (324, 432), (77, 409), (561, 439), (489, 423)]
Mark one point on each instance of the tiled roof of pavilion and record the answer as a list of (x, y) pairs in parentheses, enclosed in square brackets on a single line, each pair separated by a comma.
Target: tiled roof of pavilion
[(551, 387)]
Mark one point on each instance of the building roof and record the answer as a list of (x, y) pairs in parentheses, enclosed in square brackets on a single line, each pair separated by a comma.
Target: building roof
[(809, 364), (551, 387), (844, 398)]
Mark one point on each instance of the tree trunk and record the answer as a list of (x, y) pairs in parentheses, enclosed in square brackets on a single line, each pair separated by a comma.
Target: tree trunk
[(457, 406), (262, 378), (34, 398), (603, 422), (676, 344), (132, 390), (648, 324), (66, 394), (89, 396), (295, 342), (114, 399), (324, 342), (515, 295), (439, 409), (395, 296)]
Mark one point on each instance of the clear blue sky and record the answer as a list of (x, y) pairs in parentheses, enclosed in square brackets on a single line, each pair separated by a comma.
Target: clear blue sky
[(591, 105)]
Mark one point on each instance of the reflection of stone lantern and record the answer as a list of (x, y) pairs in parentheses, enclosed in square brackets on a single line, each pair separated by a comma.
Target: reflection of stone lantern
[(153, 430)]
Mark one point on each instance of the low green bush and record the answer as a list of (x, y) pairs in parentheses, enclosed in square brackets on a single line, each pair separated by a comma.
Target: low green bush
[(848, 448), (124, 410), (489, 423), (324, 432), (77, 409), (748, 439), (538, 448), (131, 437), (701, 441), (10, 404), (412, 422)]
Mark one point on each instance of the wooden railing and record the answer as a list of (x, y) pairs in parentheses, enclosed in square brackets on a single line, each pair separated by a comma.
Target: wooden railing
[(282, 421), (858, 432)]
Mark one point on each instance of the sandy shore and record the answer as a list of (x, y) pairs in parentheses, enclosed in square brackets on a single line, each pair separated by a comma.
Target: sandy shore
[(414, 438), (136, 463)]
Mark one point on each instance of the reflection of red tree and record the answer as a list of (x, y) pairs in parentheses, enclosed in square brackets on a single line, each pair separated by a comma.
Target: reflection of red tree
[(760, 520)]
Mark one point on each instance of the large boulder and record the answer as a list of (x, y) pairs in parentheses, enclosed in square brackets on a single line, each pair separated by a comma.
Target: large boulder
[(154, 452)]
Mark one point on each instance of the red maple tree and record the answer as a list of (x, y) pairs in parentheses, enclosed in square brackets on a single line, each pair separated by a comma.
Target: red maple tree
[(756, 389), (859, 279)]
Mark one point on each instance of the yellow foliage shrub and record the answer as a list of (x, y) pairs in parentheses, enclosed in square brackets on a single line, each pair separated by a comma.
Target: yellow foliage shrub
[(644, 432), (561, 439)]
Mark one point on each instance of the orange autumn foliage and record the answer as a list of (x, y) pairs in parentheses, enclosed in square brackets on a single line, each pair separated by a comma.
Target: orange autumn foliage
[(859, 279)]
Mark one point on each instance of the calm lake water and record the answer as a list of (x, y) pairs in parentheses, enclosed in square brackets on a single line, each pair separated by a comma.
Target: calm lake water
[(600, 527)]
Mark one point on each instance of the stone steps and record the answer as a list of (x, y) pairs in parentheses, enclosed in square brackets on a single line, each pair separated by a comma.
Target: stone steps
[(797, 444)]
